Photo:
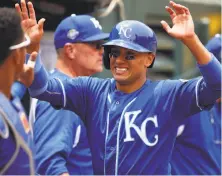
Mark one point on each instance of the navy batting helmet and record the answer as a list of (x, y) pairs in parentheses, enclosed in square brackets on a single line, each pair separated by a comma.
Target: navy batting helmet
[(132, 35)]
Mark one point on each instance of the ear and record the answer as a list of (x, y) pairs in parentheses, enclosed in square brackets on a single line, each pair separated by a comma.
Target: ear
[(70, 50), (149, 57)]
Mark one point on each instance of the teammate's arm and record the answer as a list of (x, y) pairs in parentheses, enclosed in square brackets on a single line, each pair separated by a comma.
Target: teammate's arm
[(185, 98), (18, 88), (30, 25), (191, 96), (65, 93), (183, 29)]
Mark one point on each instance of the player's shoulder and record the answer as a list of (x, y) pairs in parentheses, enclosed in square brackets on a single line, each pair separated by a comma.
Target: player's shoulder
[(178, 82), (99, 83), (4, 128), (165, 86), (80, 80), (5, 104), (4, 107), (154, 84), (98, 80), (57, 74)]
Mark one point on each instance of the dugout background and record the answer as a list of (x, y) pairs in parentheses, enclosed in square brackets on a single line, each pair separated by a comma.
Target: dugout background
[(173, 59)]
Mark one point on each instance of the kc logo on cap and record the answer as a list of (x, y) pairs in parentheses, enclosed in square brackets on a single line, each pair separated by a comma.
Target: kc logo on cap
[(96, 23)]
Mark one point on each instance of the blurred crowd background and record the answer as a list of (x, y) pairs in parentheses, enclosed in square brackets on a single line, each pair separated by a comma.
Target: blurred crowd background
[(173, 59)]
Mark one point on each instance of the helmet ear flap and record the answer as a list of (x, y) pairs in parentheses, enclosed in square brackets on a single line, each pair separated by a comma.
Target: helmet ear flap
[(106, 60)]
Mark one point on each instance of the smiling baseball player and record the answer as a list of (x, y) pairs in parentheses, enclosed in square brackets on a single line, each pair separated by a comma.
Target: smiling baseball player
[(131, 121)]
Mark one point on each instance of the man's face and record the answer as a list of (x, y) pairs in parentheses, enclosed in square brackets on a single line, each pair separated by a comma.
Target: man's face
[(128, 66), (89, 57)]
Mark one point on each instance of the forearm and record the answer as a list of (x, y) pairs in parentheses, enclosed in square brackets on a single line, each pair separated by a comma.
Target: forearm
[(19, 88), (198, 93), (33, 47), (209, 89), (212, 73), (201, 54), (44, 88)]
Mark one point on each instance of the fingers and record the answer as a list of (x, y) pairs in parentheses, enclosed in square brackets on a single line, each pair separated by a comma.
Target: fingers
[(31, 64), (176, 8), (24, 10), (171, 12), (32, 59), (180, 9), (33, 56), (18, 9), (31, 11), (166, 26), (41, 24), (27, 75), (185, 9)]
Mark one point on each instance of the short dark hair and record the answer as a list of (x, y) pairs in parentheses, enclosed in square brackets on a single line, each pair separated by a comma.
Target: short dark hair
[(10, 31)]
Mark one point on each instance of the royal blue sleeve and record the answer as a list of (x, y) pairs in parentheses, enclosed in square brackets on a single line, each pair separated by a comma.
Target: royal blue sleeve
[(185, 98), (54, 137), (68, 93), (18, 90)]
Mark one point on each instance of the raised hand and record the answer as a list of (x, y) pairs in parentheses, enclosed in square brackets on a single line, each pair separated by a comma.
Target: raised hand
[(30, 25), (27, 75), (183, 26)]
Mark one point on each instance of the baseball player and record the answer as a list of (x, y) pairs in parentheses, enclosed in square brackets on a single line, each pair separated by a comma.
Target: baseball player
[(197, 149), (16, 145), (71, 154), (131, 121), (78, 40)]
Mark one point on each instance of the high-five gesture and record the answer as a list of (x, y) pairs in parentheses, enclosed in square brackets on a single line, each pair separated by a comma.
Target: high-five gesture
[(183, 26), (30, 25), (183, 29), (27, 75)]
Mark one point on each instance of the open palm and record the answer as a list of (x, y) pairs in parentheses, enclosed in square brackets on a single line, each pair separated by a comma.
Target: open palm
[(183, 26), (29, 23)]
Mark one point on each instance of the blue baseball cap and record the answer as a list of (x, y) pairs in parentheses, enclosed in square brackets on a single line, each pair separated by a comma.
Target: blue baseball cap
[(214, 46), (78, 28)]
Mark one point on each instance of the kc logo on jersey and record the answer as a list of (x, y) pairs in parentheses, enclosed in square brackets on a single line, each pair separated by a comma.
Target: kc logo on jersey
[(130, 118)]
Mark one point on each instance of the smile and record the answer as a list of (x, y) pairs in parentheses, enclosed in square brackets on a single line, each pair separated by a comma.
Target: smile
[(120, 70)]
